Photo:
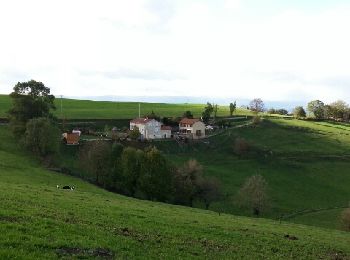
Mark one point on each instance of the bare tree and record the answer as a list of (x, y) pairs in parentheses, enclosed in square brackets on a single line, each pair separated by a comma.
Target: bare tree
[(209, 191), (256, 105), (253, 194)]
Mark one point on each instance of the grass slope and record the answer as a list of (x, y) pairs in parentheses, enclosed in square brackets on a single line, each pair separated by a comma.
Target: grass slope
[(305, 163), (86, 109), (37, 221)]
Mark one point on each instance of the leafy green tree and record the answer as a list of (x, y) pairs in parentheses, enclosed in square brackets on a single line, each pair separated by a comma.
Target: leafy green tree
[(42, 137), (299, 112), (233, 107), (216, 108), (208, 110), (337, 110), (256, 105), (317, 108), (188, 114), (134, 134), (282, 111), (29, 100), (155, 180), (131, 160), (95, 158), (209, 191), (253, 194), (271, 111)]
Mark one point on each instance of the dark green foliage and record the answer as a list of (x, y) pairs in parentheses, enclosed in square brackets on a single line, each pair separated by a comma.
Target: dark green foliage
[(299, 112), (233, 107), (317, 108), (281, 111), (153, 115), (131, 160), (95, 158), (29, 100), (155, 180), (208, 110), (42, 137), (134, 134), (209, 191), (188, 114)]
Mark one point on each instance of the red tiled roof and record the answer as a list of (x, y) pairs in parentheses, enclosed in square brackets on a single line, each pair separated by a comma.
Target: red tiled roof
[(165, 127), (140, 120), (189, 121)]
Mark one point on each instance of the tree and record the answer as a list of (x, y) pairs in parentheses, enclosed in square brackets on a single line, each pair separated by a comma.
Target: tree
[(271, 111), (256, 105), (209, 191), (317, 108), (29, 100), (188, 114), (253, 194), (208, 110), (131, 165), (232, 108), (337, 110), (282, 111), (299, 112), (155, 180), (188, 179), (215, 110), (153, 116), (134, 134), (42, 137), (345, 220), (95, 158)]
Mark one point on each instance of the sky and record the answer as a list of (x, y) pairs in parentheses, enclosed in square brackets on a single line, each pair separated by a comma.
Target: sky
[(278, 50)]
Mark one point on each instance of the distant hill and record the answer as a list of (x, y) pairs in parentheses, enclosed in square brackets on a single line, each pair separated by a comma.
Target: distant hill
[(39, 221), (87, 109)]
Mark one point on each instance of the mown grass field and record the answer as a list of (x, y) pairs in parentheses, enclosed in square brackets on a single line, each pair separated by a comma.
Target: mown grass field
[(86, 109), (38, 221), (305, 163)]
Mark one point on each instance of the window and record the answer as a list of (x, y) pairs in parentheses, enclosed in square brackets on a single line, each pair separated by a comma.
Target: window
[(198, 133)]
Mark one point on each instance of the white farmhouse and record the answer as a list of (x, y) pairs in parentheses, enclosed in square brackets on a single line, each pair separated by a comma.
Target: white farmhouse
[(150, 128), (192, 127)]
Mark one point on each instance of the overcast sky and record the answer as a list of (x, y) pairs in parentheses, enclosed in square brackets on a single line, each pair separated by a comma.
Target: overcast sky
[(274, 49)]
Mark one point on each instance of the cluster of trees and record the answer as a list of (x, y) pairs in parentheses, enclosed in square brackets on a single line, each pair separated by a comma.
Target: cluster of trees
[(281, 111), (338, 110), (147, 174), (31, 120)]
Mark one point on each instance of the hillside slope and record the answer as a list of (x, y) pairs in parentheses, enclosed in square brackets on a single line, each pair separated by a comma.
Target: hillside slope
[(39, 221), (87, 109)]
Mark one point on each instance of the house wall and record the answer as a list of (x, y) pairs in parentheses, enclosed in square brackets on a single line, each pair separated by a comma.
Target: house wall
[(198, 126), (166, 133)]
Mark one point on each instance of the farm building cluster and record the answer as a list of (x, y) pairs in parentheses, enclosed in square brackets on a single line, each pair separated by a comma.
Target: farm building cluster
[(152, 129)]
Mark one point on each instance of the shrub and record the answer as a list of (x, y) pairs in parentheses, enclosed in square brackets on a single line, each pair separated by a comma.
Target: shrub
[(345, 220), (241, 146), (256, 120), (42, 137)]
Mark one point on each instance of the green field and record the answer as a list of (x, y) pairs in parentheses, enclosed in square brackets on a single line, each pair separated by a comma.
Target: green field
[(305, 163), (86, 109), (38, 221)]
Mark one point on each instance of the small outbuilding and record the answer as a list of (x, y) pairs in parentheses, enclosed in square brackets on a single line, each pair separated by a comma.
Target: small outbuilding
[(192, 127)]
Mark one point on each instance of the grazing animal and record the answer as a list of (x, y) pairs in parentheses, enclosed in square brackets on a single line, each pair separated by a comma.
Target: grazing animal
[(57, 186), (68, 187)]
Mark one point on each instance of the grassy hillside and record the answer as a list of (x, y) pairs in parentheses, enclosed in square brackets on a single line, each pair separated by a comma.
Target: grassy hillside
[(37, 221), (305, 163), (85, 109)]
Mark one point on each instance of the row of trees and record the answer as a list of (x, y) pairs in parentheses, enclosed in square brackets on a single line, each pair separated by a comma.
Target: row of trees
[(338, 110), (147, 174)]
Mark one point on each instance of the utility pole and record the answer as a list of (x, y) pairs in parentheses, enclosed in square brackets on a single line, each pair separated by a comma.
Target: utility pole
[(61, 107), (139, 110)]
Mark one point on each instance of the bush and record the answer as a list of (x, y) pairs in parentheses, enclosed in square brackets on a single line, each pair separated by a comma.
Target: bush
[(256, 120), (42, 137), (345, 220), (241, 146)]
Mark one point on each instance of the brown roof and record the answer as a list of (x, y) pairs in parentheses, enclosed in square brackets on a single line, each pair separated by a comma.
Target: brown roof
[(72, 138), (189, 121), (140, 120), (165, 127)]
